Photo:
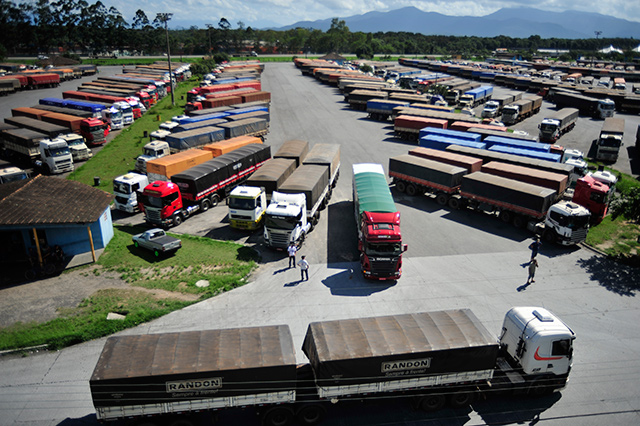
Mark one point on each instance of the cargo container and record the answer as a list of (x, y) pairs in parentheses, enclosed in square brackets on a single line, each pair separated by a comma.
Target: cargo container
[(442, 142), (517, 143), (382, 109), (538, 155), (49, 129), (38, 81), (408, 127), (196, 138), (247, 127), (471, 164), (358, 98), (71, 122), (228, 145), (294, 149), (163, 168), (455, 134)]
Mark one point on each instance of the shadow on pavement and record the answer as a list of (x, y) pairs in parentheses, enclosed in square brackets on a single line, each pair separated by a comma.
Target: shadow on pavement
[(350, 282), (342, 235), (620, 279)]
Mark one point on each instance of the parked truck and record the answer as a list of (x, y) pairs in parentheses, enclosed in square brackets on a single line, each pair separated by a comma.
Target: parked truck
[(125, 189), (295, 208), (619, 84), (514, 201), (248, 203), (521, 109), (597, 108), (378, 222), (610, 139), (475, 97), (200, 187), (49, 129), (408, 127), (35, 149), (493, 107), (559, 123), (382, 109), (151, 151), (453, 95), (421, 356), (77, 147)]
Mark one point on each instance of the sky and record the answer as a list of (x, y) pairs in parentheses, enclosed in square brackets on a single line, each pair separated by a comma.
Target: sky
[(276, 13)]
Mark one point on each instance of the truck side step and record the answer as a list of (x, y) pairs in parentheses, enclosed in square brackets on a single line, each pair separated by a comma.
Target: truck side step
[(513, 376)]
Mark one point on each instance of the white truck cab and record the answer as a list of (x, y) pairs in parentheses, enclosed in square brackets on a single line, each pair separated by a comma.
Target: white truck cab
[(12, 174), (113, 116), (538, 341), (286, 220), (151, 151), (79, 150), (606, 108), (126, 110), (55, 156), (125, 188), (490, 109)]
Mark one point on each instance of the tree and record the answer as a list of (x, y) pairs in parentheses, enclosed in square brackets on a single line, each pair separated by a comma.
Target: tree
[(627, 205), (338, 35)]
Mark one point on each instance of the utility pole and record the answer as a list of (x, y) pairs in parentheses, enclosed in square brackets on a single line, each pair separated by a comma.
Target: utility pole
[(165, 17), (209, 26), (597, 33)]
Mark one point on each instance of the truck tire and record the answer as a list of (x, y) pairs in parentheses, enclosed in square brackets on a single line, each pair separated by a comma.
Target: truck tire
[(432, 402), (412, 190), (278, 416), (215, 199), (401, 186), (442, 199), (455, 203), (549, 235), (519, 221), (461, 399), (205, 205), (310, 414), (505, 216), (177, 220)]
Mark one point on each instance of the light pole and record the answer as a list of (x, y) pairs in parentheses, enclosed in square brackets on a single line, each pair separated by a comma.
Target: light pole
[(209, 34), (597, 33), (164, 17)]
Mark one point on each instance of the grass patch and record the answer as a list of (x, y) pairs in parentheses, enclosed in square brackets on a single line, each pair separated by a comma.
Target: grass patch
[(225, 265), (615, 237), (118, 156)]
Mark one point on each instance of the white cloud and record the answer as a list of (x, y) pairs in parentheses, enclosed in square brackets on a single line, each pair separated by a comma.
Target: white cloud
[(261, 13)]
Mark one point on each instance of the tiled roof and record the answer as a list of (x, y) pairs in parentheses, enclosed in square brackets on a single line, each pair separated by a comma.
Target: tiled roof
[(51, 200)]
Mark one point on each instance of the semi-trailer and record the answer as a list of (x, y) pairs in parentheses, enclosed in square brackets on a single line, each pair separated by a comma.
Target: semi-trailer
[(610, 139), (378, 222), (49, 129), (36, 149), (382, 109), (295, 208), (474, 97), (358, 98), (442, 142), (521, 109), (195, 138), (408, 127), (514, 201), (431, 359), (557, 124), (597, 108), (38, 81), (451, 117), (493, 107), (162, 168), (248, 203), (200, 187)]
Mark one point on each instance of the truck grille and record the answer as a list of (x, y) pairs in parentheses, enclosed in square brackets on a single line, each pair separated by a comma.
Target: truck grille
[(153, 215), (280, 240), (579, 235), (383, 268), (239, 217), (121, 200)]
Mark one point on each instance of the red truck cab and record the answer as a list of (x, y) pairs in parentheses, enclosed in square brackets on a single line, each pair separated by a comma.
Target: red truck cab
[(381, 246), (94, 131), (593, 195), (161, 203)]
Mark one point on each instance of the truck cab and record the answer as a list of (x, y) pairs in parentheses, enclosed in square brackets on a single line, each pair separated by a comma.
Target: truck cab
[(113, 116), (78, 148), (161, 203), (606, 108), (381, 245), (55, 156), (151, 151), (94, 131), (247, 207), (491, 109), (510, 113), (567, 223), (286, 220), (549, 129), (537, 341), (593, 195), (125, 190), (12, 174), (126, 110)]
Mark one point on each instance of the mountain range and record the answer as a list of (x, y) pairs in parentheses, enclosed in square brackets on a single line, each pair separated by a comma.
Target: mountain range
[(520, 22)]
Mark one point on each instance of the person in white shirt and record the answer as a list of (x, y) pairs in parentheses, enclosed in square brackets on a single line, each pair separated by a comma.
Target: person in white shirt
[(304, 269), (292, 254)]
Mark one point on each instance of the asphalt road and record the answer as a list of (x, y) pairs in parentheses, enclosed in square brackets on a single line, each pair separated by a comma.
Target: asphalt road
[(456, 259)]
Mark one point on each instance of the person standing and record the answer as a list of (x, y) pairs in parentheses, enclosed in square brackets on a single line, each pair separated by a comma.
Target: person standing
[(535, 247), (292, 249), (533, 264), (304, 268)]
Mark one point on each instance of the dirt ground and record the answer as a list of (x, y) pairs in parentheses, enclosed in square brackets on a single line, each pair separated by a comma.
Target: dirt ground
[(39, 300)]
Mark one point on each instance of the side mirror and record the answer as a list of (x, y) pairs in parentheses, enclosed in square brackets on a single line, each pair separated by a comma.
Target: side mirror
[(405, 247)]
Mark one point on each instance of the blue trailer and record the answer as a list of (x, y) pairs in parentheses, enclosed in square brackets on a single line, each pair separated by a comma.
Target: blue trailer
[(527, 153), (515, 143), (183, 119), (382, 109), (456, 134), (477, 96), (441, 143)]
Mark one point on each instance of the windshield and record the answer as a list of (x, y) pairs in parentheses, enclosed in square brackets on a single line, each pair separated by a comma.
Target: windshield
[(383, 249), (157, 201), (121, 187), (610, 142), (607, 107), (578, 222), (547, 128), (116, 114), (281, 222), (598, 197), (75, 142), (150, 152), (508, 111), (242, 203), (59, 152)]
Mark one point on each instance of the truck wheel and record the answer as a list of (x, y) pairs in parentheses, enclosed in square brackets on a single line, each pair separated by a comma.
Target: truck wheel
[(442, 199), (549, 236), (411, 190), (278, 416), (454, 203), (177, 220), (215, 199), (205, 204), (310, 414), (431, 402), (401, 186), (505, 216), (460, 400), (518, 221)]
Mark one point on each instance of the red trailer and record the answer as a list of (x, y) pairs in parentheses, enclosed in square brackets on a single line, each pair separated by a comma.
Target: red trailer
[(37, 81), (94, 97)]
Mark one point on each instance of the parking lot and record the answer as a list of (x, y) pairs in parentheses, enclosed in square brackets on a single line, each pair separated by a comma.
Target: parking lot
[(455, 259)]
